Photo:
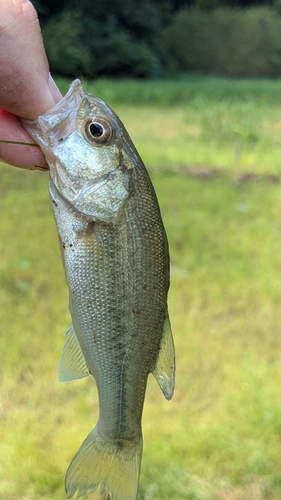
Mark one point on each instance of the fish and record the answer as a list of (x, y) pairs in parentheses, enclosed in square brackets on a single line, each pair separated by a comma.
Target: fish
[(116, 260)]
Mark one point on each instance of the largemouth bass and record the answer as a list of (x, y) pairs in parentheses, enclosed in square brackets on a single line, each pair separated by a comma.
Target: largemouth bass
[(115, 254)]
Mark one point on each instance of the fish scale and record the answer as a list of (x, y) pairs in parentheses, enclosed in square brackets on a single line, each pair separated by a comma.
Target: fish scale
[(116, 260)]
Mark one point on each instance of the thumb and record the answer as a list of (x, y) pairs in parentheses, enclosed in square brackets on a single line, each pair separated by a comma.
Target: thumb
[(25, 86)]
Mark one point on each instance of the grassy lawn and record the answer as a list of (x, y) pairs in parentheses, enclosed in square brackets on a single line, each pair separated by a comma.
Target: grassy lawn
[(220, 436), (231, 124)]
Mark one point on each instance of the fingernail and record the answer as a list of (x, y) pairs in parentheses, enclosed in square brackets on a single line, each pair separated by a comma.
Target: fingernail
[(54, 89)]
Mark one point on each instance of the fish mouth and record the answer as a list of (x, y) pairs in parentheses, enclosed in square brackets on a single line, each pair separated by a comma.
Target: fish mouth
[(41, 129), (61, 111)]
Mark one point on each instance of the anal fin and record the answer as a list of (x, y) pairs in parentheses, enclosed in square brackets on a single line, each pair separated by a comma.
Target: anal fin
[(164, 370), (72, 364)]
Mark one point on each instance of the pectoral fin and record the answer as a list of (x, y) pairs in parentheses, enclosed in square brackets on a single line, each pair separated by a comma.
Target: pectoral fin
[(72, 364), (164, 371)]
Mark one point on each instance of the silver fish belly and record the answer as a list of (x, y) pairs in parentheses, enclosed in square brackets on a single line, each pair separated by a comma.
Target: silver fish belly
[(115, 254)]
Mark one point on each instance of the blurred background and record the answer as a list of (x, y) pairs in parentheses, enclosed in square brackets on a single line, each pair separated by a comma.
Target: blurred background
[(152, 38), (198, 86)]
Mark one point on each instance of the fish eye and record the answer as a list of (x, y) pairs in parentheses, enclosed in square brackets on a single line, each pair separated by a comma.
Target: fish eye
[(98, 130)]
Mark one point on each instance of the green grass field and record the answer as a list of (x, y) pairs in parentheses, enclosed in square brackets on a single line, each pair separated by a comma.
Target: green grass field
[(220, 436)]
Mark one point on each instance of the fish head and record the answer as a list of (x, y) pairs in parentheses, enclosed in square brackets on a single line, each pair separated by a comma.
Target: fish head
[(90, 154)]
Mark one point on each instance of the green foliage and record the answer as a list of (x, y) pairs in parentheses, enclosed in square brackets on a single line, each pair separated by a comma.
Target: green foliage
[(183, 90), (195, 120), (67, 53), (149, 38), (104, 38), (232, 42)]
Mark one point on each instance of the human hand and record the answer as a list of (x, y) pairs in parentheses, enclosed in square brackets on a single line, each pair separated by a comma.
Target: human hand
[(26, 88)]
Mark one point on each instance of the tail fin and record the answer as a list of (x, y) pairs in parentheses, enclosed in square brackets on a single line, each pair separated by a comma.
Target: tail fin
[(115, 466)]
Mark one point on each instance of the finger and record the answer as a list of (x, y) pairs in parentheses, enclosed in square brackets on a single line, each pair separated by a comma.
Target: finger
[(29, 157)]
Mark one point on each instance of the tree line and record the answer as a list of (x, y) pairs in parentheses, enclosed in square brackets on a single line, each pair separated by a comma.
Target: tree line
[(149, 38)]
